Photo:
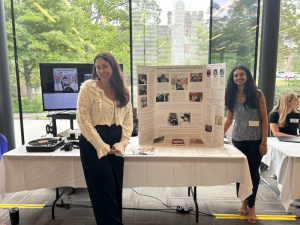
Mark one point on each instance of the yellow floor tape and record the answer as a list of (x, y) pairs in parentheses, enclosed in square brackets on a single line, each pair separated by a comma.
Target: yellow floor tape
[(218, 216), (24, 206), (259, 217)]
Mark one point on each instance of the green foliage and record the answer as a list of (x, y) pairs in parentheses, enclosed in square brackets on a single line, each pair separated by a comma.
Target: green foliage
[(36, 106), (289, 38), (236, 27), (102, 25), (286, 86)]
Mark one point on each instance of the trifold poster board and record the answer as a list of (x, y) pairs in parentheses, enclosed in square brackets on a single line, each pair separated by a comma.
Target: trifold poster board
[(181, 102)]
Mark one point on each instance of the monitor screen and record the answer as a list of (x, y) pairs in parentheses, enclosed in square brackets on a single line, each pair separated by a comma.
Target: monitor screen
[(61, 83)]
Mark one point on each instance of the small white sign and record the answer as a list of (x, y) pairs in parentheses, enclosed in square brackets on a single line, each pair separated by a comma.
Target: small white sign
[(294, 120), (253, 123)]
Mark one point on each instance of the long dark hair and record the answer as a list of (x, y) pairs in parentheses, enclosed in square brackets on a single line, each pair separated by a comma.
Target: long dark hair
[(250, 90), (116, 80)]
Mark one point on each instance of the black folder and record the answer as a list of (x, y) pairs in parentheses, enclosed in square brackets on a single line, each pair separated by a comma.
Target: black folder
[(288, 139)]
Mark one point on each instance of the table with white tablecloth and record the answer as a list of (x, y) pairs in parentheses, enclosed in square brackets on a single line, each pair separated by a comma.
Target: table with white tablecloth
[(283, 158), (171, 166)]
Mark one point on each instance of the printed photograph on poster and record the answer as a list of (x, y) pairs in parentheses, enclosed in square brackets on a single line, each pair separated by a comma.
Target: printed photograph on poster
[(222, 72), (142, 89), (196, 77), (142, 78), (218, 120), (173, 119), (143, 102), (215, 72), (179, 82), (184, 119), (162, 97), (208, 72), (163, 78), (65, 80), (196, 97), (208, 128)]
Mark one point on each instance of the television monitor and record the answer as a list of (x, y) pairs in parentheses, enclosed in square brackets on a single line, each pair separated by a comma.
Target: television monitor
[(60, 83)]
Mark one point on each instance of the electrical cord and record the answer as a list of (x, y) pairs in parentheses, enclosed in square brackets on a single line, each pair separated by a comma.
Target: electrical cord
[(154, 198), (178, 208)]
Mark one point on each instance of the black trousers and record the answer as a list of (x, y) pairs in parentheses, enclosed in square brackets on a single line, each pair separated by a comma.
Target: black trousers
[(104, 176), (251, 150)]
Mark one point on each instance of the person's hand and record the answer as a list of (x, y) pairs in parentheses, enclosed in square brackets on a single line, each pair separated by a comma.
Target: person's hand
[(113, 150), (263, 149)]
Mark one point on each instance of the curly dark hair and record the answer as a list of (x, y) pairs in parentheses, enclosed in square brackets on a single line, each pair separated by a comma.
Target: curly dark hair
[(116, 80), (250, 90)]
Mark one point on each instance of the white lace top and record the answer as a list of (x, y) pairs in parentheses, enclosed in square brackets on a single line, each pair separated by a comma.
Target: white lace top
[(95, 108)]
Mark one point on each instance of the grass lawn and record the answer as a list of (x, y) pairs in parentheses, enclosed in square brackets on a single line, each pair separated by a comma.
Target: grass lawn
[(287, 82)]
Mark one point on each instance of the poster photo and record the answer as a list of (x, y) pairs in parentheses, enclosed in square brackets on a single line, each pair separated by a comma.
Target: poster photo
[(196, 77), (215, 72), (162, 97), (184, 119), (163, 78), (173, 119), (142, 78), (142, 89), (208, 73), (65, 80), (143, 102), (179, 82), (196, 97)]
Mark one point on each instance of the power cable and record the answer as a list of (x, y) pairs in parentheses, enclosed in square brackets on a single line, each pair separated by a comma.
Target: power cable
[(154, 198), (178, 208)]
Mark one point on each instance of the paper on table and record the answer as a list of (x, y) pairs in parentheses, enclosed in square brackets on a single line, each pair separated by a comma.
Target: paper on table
[(161, 151), (139, 150), (187, 152), (216, 152)]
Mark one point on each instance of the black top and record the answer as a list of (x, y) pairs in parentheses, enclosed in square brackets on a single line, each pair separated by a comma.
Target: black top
[(291, 122)]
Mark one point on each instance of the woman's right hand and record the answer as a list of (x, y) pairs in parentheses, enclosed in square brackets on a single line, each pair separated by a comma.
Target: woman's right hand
[(113, 150)]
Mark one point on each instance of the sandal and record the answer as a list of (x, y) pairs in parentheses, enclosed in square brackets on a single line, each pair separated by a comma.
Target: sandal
[(252, 217), (242, 211)]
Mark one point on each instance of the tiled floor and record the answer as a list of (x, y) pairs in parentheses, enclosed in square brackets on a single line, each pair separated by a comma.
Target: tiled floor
[(211, 200)]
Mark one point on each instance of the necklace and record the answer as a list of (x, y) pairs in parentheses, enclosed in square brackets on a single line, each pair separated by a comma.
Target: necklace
[(242, 95)]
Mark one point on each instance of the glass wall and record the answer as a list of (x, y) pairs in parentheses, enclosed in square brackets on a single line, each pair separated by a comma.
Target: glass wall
[(164, 32), (233, 36), (61, 31), (288, 67)]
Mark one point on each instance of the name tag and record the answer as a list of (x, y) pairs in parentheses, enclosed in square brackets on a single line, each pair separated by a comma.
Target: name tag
[(294, 120), (253, 123)]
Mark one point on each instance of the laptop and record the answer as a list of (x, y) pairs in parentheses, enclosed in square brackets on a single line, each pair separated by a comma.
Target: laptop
[(288, 139)]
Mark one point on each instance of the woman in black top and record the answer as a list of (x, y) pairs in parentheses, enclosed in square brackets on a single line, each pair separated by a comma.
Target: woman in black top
[(284, 119)]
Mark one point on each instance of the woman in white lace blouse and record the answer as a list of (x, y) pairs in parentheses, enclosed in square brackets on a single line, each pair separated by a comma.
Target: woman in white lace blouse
[(104, 116)]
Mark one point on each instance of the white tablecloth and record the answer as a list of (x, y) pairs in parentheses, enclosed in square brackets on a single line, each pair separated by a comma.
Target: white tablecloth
[(171, 166), (283, 158)]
